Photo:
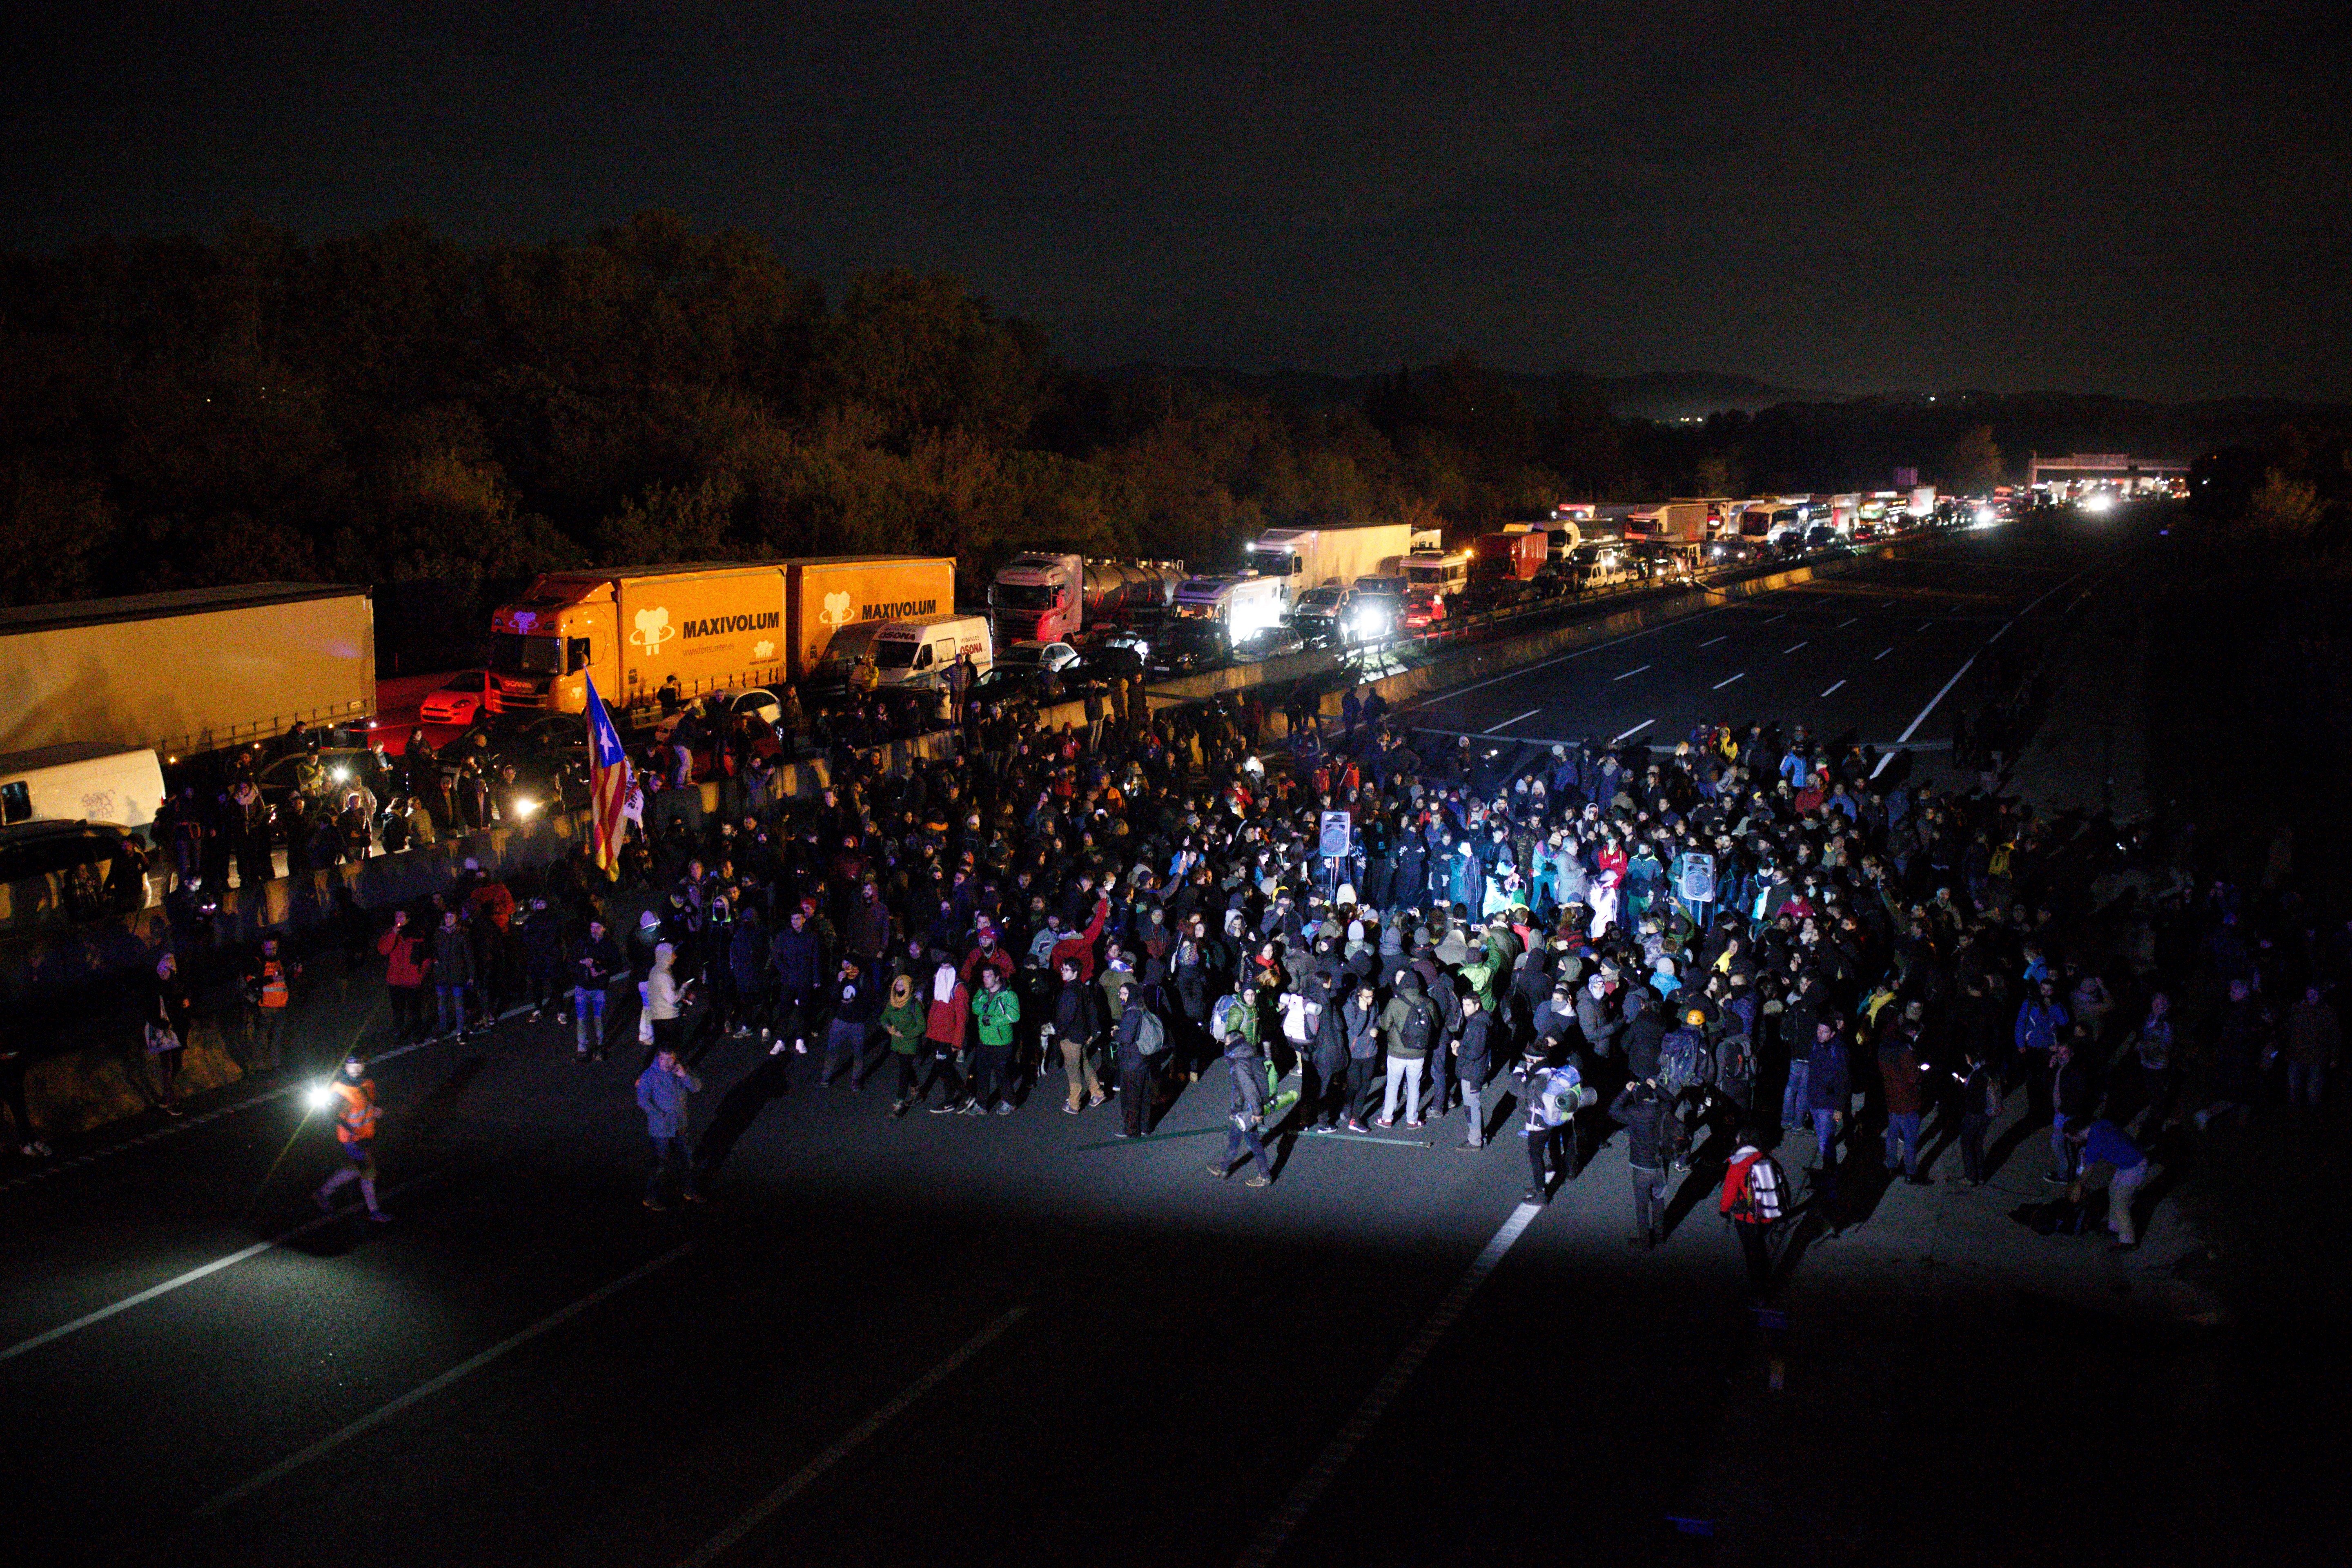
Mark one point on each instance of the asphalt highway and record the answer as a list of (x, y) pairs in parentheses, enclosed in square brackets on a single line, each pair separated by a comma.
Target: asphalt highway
[(1865, 655), (1010, 1340)]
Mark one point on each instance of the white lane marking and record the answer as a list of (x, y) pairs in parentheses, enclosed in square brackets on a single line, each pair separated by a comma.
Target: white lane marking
[(180, 1280), (1721, 684), (1782, 617), (1632, 733), (1882, 654), (1833, 689), (1359, 1426), (1925, 625), (1629, 674), (1792, 647), (719, 1544), (1845, 622), (1579, 653), (1905, 738), (1712, 641), (383, 1413), (1516, 718)]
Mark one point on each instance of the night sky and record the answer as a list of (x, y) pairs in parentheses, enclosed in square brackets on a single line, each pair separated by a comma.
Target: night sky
[(2141, 199)]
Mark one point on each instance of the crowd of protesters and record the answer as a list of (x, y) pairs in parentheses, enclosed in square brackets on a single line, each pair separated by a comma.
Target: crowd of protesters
[(1748, 936)]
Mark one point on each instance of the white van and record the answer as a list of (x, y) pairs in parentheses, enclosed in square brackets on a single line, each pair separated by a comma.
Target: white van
[(81, 781), (916, 653)]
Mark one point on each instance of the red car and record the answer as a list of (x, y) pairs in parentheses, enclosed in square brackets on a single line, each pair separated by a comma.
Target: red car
[(1424, 608), (464, 698)]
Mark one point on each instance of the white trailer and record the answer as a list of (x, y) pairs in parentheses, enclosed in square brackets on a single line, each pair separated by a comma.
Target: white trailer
[(1297, 559)]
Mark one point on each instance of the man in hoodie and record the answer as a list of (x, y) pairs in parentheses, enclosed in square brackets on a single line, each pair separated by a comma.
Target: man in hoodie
[(453, 972), (1246, 1067), (1554, 1097), (856, 1003), (594, 966), (664, 1001), (798, 953), (1409, 1026), (1077, 1020), (662, 1091), (1473, 1064), (1647, 1116)]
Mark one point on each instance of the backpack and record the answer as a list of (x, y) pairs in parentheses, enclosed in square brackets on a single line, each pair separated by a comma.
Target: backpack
[(1758, 1197), (1150, 1035), (1680, 1064), (1738, 1063), (1418, 1029), (1221, 1024)]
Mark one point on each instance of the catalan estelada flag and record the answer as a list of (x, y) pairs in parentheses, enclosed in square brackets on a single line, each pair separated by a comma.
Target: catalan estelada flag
[(608, 784)]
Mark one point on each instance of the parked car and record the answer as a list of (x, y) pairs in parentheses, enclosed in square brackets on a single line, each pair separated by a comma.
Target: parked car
[(1823, 539), (464, 698), (1271, 642), (1422, 610), (1490, 594), (1191, 644), (1655, 563), (83, 871), (1735, 550), (1321, 614)]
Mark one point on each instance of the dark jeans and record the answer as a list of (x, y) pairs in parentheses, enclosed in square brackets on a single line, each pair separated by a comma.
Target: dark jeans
[(1649, 1200), (1793, 1099), (1365, 1078), (1972, 1147), (1134, 1092), (992, 1078), (843, 1038), (1328, 1102), (1243, 1135), (1441, 1080), (1903, 1141), (1556, 1144), (669, 1153), (410, 1012), (939, 1062)]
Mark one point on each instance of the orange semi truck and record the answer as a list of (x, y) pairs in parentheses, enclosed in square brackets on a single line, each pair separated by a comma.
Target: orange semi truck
[(713, 626)]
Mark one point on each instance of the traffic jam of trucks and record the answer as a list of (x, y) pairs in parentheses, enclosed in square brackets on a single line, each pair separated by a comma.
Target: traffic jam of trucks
[(103, 701)]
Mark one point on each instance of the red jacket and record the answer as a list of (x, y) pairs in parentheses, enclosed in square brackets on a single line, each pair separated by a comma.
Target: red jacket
[(1081, 947), (947, 1021), (405, 948)]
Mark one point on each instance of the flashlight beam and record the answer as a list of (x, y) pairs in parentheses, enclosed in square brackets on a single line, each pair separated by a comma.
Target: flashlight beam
[(385, 1412), (179, 1281)]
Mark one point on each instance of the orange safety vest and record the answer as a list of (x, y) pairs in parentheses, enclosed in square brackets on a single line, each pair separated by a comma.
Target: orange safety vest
[(273, 983), (356, 1120)]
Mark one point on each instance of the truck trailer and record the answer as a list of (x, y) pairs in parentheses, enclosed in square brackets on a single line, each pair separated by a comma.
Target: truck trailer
[(1299, 559), (709, 625), (187, 672), (1047, 598), (1517, 551)]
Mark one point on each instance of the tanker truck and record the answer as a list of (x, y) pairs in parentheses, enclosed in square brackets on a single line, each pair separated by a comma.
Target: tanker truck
[(1042, 598)]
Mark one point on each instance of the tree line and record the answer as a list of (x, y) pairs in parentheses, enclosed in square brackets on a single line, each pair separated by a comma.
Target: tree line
[(392, 407)]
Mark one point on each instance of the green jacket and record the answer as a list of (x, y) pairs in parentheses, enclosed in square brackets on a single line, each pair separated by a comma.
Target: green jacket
[(904, 1027), (997, 1011)]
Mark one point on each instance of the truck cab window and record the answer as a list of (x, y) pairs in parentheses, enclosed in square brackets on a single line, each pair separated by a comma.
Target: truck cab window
[(923, 659), (576, 657)]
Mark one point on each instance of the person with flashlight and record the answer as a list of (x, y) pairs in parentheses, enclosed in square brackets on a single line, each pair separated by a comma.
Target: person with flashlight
[(350, 1097)]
